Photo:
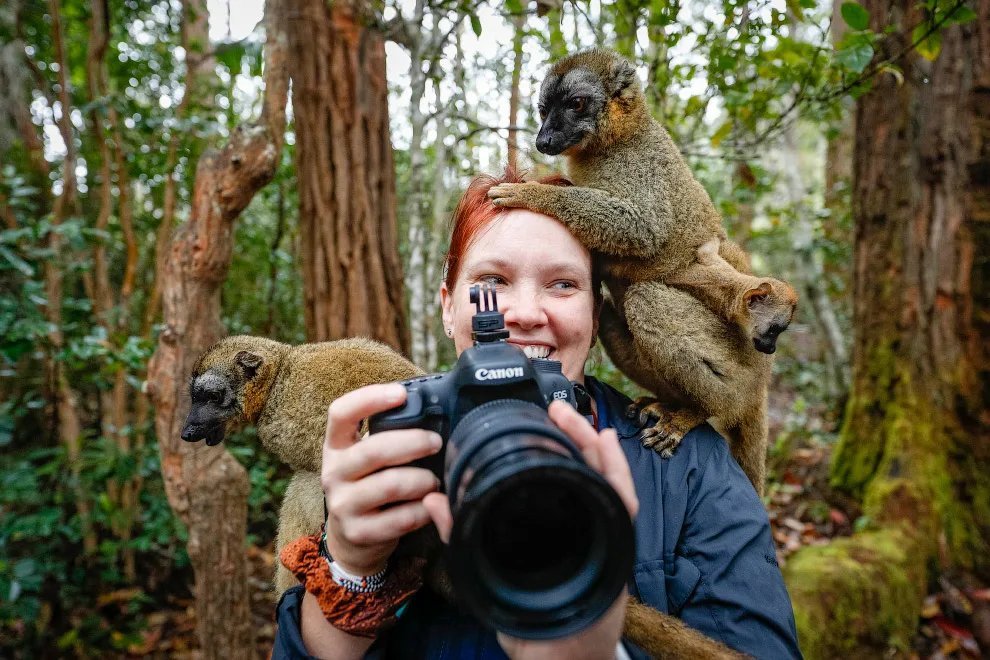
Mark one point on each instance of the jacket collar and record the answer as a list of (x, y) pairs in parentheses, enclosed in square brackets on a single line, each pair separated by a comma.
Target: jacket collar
[(615, 405)]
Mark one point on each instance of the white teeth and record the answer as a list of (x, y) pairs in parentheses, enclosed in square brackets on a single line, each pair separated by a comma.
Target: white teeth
[(536, 351)]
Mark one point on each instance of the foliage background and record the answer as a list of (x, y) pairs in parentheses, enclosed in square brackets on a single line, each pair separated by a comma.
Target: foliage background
[(752, 90)]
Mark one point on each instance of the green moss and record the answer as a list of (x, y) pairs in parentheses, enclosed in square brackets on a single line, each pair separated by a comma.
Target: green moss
[(862, 445), (858, 596)]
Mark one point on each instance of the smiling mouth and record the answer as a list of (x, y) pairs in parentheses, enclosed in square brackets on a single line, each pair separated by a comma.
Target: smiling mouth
[(534, 352)]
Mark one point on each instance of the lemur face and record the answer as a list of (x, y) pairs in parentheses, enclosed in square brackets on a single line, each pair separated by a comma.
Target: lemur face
[(214, 403), (771, 309), (570, 106)]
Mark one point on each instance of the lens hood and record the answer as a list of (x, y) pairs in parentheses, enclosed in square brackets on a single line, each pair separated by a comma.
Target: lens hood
[(541, 545)]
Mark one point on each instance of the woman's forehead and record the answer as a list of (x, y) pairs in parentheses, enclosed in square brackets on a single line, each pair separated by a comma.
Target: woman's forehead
[(520, 234)]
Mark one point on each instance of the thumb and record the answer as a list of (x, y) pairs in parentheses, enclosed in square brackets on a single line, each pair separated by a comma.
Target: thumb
[(438, 506)]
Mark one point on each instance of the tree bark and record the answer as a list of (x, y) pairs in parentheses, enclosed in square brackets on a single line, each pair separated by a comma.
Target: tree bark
[(200, 81), (415, 206), (512, 151), (916, 441), (352, 275), (207, 487)]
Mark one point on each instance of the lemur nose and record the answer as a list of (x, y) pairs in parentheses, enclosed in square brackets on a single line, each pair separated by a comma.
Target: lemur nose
[(544, 142), (187, 434)]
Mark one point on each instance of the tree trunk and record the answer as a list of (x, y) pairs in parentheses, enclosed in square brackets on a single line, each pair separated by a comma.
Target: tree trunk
[(415, 203), (839, 151), (915, 442), (518, 28), (199, 86), (810, 270), (65, 401), (352, 276), (207, 487), (109, 303)]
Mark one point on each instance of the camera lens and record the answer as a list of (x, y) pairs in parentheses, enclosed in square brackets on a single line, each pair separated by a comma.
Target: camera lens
[(541, 544)]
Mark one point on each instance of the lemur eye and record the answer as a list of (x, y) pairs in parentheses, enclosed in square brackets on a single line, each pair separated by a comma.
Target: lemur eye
[(577, 103), (217, 397), (543, 111)]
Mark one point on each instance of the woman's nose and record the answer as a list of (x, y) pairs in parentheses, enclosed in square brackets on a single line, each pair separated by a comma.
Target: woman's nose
[(523, 310)]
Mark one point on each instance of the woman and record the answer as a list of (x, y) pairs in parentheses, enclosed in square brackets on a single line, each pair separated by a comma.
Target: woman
[(704, 551)]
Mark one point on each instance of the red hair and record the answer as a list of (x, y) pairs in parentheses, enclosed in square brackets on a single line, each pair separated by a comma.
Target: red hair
[(475, 212)]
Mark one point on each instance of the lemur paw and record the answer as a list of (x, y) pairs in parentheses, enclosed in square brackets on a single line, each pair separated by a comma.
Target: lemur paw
[(512, 195), (667, 428)]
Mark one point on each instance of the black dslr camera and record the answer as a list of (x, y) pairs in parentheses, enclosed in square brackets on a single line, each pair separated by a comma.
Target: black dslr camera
[(541, 544)]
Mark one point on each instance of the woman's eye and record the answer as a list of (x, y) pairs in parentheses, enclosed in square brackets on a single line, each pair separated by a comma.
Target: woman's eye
[(494, 280), (563, 285)]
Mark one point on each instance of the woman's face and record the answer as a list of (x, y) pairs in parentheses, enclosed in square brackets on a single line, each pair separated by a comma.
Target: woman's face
[(542, 276)]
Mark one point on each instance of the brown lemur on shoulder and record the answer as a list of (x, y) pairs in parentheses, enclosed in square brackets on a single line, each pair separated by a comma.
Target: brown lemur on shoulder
[(678, 327), (285, 391)]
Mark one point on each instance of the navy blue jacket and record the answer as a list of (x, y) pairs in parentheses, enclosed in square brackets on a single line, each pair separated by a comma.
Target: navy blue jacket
[(703, 553)]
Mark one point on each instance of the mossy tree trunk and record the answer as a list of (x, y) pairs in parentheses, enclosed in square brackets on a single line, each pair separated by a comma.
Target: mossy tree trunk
[(916, 442)]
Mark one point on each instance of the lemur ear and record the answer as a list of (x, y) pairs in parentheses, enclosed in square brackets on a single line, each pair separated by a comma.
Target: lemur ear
[(623, 75), (249, 363), (757, 295)]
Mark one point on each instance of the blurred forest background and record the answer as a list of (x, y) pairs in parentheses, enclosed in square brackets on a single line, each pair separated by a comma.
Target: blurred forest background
[(168, 175)]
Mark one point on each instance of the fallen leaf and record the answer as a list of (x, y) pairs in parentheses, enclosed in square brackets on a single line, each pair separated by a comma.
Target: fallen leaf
[(980, 594), (952, 629), (931, 608), (118, 596)]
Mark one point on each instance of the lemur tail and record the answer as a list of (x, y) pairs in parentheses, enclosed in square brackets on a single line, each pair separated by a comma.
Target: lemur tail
[(666, 637)]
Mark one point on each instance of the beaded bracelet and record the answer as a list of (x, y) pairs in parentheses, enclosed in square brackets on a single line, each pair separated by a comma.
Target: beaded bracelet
[(361, 613), (351, 582)]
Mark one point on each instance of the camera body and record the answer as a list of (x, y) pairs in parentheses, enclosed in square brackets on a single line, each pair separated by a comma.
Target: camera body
[(541, 544), (491, 370)]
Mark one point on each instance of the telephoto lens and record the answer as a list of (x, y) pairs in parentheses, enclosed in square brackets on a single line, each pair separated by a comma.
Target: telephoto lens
[(541, 544)]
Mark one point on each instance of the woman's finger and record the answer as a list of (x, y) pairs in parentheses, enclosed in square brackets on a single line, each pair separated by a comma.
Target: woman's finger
[(399, 484), (438, 506), (387, 525), (382, 450), (601, 450), (578, 430), (346, 412)]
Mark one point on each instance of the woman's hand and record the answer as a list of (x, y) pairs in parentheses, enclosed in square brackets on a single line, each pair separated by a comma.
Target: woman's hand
[(602, 452), (373, 496)]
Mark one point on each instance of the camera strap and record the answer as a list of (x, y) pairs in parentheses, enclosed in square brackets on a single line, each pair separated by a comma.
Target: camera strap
[(583, 400)]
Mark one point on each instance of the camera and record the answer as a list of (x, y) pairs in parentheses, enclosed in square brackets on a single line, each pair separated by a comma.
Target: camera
[(541, 544)]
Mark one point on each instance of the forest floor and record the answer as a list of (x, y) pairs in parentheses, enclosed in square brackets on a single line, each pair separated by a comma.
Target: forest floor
[(803, 511)]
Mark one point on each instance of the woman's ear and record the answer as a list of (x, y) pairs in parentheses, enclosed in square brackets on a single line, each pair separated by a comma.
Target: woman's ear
[(446, 306)]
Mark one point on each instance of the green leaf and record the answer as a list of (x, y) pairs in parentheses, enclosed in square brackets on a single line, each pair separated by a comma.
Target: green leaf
[(795, 8), (476, 24), (928, 47), (15, 591), (16, 262), (855, 55), (855, 15), (230, 55), (721, 133), (961, 15)]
